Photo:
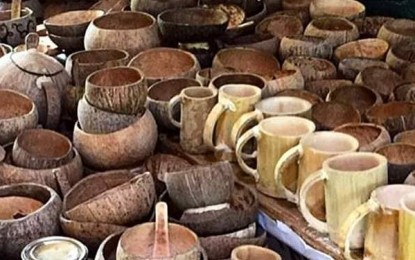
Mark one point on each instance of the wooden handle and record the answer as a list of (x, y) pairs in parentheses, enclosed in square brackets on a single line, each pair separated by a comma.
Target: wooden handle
[(288, 158), (304, 189), (161, 247), (16, 9), (53, 102), (251, 133), (243, 122), (172, 104), (351, 222)]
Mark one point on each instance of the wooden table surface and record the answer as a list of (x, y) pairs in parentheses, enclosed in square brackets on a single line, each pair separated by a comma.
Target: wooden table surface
[(278, 209)]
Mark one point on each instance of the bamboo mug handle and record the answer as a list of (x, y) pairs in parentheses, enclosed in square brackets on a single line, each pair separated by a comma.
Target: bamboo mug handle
[(53, 101), (243, 122), (161, 235), (290, 157), (172, 104), (251, 133), (304, 189), (212, 120), (351, 222)]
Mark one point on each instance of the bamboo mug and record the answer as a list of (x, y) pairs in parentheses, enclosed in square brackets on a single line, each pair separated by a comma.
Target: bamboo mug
[(274, 135), (348, 181), (196, 104), (309, 156), (273, 106), (407, 228), (382, 212), (234, 101)]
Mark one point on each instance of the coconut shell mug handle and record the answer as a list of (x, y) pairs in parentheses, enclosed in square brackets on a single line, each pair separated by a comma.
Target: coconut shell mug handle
[(351, 222), (53, 101), (251, 133), (172, 104), (32, 41), (304, 190), (289, 158), (212, 120), (243, 122)]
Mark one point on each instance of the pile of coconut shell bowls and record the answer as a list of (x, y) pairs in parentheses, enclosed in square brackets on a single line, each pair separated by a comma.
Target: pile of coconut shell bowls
[(67, 30)]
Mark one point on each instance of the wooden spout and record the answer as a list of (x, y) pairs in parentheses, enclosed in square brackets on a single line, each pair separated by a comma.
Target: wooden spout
[(16, 9), (161, 235)]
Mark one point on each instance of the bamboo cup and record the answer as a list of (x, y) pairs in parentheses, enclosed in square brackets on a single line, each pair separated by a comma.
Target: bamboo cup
[(196, 104), (274, 135), (274, 106), (309, 156), (407, 228), (348, 181), (382, 212), (252, 252), (234, 101)]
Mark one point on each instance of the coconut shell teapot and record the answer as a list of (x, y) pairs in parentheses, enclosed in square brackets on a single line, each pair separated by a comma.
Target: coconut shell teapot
[(38, 76)]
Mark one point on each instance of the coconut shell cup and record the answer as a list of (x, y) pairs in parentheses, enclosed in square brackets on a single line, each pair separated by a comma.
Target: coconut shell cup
[(204, 76), (97, 121), (311, 68), (349, 68), (301, 45), (369, 26), (165, 63), (409, 73), (285, 79), (41, 221), (404, 92), (219, 219), (92, 199), (381, 80), (324, 86), (17, 113), (370, 136), (41, 149), (349, 9), (192, 24), (247, 60), (133, 32), (280, 26), (374, 49), (121, 149), (70, 24), (401, 161), (400, 56), (301, 93), (406, 137), (200, 186), (396, 117), (335, 30), (120, 90), (397, 32), (301, 13), (329, 115)]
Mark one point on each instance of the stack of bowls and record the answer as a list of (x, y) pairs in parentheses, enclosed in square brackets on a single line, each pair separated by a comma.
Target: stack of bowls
[(114, 128), (67, 30)]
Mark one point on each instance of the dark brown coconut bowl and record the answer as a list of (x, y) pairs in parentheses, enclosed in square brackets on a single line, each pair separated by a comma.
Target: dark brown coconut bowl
[(160, 164), (324, 86), (165, 63), (242, 211), (394, 116), (359, 97), (192, 24), (94, 198), (312, 68), (17, 112), (247, 60), (397, 31), (329, 115), (41, 222), (200, 186), (406, 137), (349, 68), (370, 136), (380, 80), (404, 92), (301, 93), (280, 26), (68, 43), (369, 26), (73, 23), (41, 149), (238, 78), (365, 48), (262, 42), (401, 161), (400, 56)]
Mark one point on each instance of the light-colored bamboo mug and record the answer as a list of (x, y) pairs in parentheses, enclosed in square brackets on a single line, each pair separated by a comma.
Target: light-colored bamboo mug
[(273, 106), (234, 100), (382, 212), (252, 252), (309, 156), (407, 228), (274, 135), (349, 180), (196, 104)]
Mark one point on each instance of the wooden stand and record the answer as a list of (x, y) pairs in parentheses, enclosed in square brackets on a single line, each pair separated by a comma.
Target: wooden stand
[(279, 209)]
